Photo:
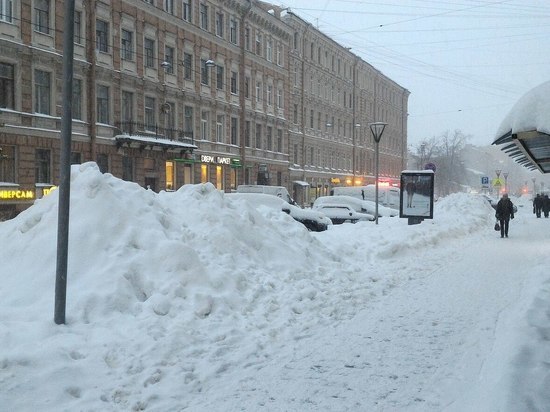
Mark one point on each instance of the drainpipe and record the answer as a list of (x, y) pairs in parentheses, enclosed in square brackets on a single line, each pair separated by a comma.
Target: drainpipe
[(92, 128), (242, 102), (302, 102)]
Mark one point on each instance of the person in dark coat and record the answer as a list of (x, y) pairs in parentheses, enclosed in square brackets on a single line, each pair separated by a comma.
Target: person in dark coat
[(546, 205), (537, 205), (504, 212)]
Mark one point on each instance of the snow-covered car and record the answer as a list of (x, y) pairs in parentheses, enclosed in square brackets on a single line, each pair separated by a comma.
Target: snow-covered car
[(339, 213), (313, 220), (362, 206)]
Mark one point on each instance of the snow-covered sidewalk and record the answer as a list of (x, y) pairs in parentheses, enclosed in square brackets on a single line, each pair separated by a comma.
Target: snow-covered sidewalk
[(192, 301)]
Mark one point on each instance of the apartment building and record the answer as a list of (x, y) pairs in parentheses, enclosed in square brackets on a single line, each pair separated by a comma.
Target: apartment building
[(164, 93), (334, 95), (167, 93)]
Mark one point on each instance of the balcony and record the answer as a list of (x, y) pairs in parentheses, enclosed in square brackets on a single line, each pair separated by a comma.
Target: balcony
[(156, 131)]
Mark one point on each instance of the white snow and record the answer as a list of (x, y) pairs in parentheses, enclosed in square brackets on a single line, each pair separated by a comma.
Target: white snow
[(190, 301), (529, 113)]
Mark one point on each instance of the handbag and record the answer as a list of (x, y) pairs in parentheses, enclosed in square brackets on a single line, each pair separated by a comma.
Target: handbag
[(497, 226)]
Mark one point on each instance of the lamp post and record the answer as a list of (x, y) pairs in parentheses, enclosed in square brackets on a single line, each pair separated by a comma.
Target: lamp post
[(377, 128), (505, 174), (497, 172)]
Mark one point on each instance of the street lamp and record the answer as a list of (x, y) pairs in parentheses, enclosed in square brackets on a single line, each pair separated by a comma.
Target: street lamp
[(505, 174), (377, 128), (534, 187)]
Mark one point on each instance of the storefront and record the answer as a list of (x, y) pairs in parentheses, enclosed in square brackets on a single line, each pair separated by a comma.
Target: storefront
[(14, 199)]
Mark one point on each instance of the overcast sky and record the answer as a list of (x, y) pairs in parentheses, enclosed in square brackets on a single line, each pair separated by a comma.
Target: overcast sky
[(465, 62)]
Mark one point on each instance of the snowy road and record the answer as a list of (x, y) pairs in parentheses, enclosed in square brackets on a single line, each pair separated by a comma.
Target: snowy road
[(420, 345)]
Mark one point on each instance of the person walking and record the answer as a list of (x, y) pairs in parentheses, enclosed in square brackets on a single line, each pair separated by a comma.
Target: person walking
[(546, 205), (537, 205), (504, 212)]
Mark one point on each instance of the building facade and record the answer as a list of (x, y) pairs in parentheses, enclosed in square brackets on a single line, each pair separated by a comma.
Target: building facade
[(167, 93), (334, 96)]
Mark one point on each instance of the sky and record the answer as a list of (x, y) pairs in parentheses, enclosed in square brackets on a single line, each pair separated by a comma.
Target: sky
[(465, 62), (194, 301)]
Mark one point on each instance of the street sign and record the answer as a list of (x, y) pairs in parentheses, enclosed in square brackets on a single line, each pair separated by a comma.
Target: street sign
[(498, 182), (485, 182)]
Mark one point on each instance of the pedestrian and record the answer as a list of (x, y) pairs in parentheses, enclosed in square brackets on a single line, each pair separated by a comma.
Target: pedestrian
[(410, 187), (504, 212), (546, 205), (537, 205)]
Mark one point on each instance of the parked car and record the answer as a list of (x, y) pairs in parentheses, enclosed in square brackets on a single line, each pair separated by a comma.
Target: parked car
[(279, 191), (313, 220), (339, 213), (362, 206)]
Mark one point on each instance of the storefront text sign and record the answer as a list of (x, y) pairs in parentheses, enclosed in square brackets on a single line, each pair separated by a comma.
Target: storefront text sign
[(215, 159)]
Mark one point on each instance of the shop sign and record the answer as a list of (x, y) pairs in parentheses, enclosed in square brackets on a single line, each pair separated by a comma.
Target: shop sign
[(6, 194), (215, 159)]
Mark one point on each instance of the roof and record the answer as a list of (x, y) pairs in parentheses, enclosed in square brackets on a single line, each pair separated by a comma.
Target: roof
[(524, 134)]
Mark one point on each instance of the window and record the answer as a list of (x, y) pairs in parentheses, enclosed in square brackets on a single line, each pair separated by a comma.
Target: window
[(102, 36), (219, 77), (102, 161), (220, 119), (149, 46), (247, 38), (169, 59), (269, 50), (169, 6), (205, 79), (187, 66), (127, 45), (42, 164), (127, 168), (169, 166), (204, 16), (42, 92), (269, 95), (77, 26), (188, 121), (280, 102), (150, 119), (7, 86), (279, 55), (258, 136), (219, 24), (187, 12), (295, 114), (234, 131), (76, 158), (295, 154), (127, 112), (205, 118), (7, 165), (234, 82), (233, 30), (258, 92), (259, 44), (103, 104), (6, 12), (311, 118), (42, 16), (77, 99), (280, 140)]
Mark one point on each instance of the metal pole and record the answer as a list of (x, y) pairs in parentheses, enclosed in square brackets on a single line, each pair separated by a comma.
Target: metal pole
[(376, 183), (65, 167)]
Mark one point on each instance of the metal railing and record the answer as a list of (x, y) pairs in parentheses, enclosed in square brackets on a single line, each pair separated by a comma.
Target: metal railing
[(156, 131)]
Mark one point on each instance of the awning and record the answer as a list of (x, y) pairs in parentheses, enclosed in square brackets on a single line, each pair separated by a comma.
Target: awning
[(300, 183), (525, 132), (530, 149)]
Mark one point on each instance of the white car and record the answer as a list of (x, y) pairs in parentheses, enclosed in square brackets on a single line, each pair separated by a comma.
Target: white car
[(339, 213), (313, 220), (362, 206)]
